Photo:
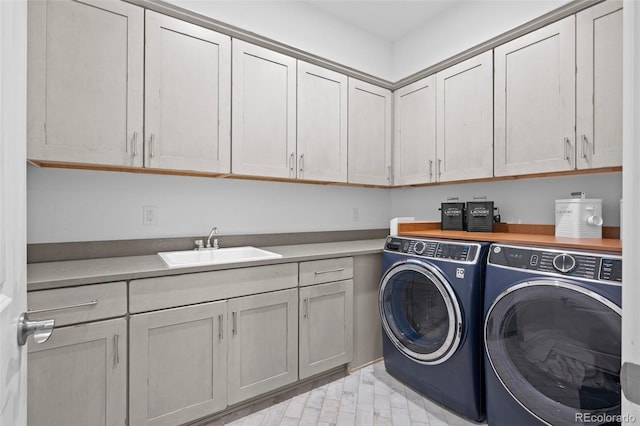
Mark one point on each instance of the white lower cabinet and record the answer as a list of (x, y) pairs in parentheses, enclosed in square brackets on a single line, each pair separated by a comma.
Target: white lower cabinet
[(326, 327), (79, 376), (178, 363), (263, 343)]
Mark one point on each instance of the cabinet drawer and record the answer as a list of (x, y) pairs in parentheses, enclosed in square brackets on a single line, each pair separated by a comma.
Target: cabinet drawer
[(150, 294), (325, 271), (78, 304)]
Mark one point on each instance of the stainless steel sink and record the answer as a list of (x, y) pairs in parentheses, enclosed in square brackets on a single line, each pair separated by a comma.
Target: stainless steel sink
[(187, 258)]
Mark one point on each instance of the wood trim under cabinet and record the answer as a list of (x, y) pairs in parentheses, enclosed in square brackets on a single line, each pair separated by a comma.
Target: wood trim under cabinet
[(533, 234), (144, 170), (614, 169), (608, 232)]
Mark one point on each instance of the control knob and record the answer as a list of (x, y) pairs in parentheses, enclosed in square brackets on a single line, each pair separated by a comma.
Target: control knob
[(564, 263), (420, 247)]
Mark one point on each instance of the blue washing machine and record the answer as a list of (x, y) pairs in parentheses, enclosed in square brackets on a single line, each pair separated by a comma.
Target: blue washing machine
[(431, 308), (552, 334)]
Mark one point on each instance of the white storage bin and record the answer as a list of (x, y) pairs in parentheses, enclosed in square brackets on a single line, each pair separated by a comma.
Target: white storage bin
[(579, 218)]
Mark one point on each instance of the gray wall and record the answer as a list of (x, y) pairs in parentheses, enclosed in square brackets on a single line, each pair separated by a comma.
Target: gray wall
[(520, 201), (79, 205)]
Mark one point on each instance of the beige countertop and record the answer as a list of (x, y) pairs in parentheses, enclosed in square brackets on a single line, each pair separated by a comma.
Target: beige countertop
[(48, 275)]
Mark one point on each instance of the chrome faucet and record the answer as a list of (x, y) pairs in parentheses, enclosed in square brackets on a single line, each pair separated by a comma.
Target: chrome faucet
[(213, 232)]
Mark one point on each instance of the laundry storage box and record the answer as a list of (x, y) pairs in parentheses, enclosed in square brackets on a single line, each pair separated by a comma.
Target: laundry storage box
[(579, 218), (480, 216), (452, 216)]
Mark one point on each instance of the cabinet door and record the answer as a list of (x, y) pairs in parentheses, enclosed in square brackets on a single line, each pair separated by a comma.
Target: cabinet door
[(414, 147), (322, 124), (369, 134), (599, 85), (535, 101), (465, 120), (85, 82), (187, 96), (178, 364), (264, 112), (79, 376), (326, 327), (263, 343)]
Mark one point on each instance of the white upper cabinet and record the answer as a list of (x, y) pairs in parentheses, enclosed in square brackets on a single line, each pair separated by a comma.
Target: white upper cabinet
[(187, 96), (465, 120), (369, 133), (85, 72), (264, 112), (599, 85), (535, 101), (414, 145), (322, 124)]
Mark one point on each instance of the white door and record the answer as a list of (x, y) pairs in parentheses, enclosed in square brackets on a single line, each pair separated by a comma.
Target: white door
[(13, 278), (535, 101), (263, 112), (631, 194), (369, 133), (322, 124), (465, 120), (599, 85), (414, 147), (187, 96)]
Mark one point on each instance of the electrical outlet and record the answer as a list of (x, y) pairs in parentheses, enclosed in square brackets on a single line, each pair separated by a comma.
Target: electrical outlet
[(149, 215)]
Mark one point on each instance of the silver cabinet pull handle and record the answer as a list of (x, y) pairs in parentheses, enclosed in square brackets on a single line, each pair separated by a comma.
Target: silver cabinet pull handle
[(291, 159), (430, 169), (585, 146), (220, 329), (389, 173), (152, 146), (61, 308), (234, 316), (439, 168), (116, 348), (306, 307), (567, 149), (301, 165), (134, 143), (41, 330), (328, 271)]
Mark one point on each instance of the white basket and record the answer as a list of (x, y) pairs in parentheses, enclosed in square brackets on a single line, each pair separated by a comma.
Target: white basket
[(579, 218)]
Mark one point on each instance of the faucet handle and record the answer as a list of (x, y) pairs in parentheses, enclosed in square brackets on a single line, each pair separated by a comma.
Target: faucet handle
[(199, 244), (215, 243)]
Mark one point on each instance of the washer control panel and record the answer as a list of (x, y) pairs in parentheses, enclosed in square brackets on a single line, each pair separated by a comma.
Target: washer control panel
[(448, 250), (591, 266)]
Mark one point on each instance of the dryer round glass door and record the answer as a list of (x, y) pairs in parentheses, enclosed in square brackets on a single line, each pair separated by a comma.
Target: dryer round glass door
[(420, 312), (556, 348)]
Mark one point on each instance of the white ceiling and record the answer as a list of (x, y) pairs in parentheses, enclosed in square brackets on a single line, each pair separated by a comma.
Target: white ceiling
[(387, 19)]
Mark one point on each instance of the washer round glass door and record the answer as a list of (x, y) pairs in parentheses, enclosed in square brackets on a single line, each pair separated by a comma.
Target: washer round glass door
[(420, 312), (556, 349)]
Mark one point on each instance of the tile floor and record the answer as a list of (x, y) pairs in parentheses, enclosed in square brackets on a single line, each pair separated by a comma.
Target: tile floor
[(367, 397)]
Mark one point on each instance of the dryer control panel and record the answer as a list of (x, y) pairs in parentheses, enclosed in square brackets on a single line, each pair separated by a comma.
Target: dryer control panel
[(586, 265), (447, 250)]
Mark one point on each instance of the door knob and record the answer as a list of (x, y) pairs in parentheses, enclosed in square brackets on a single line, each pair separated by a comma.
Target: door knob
[(41, 330)]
